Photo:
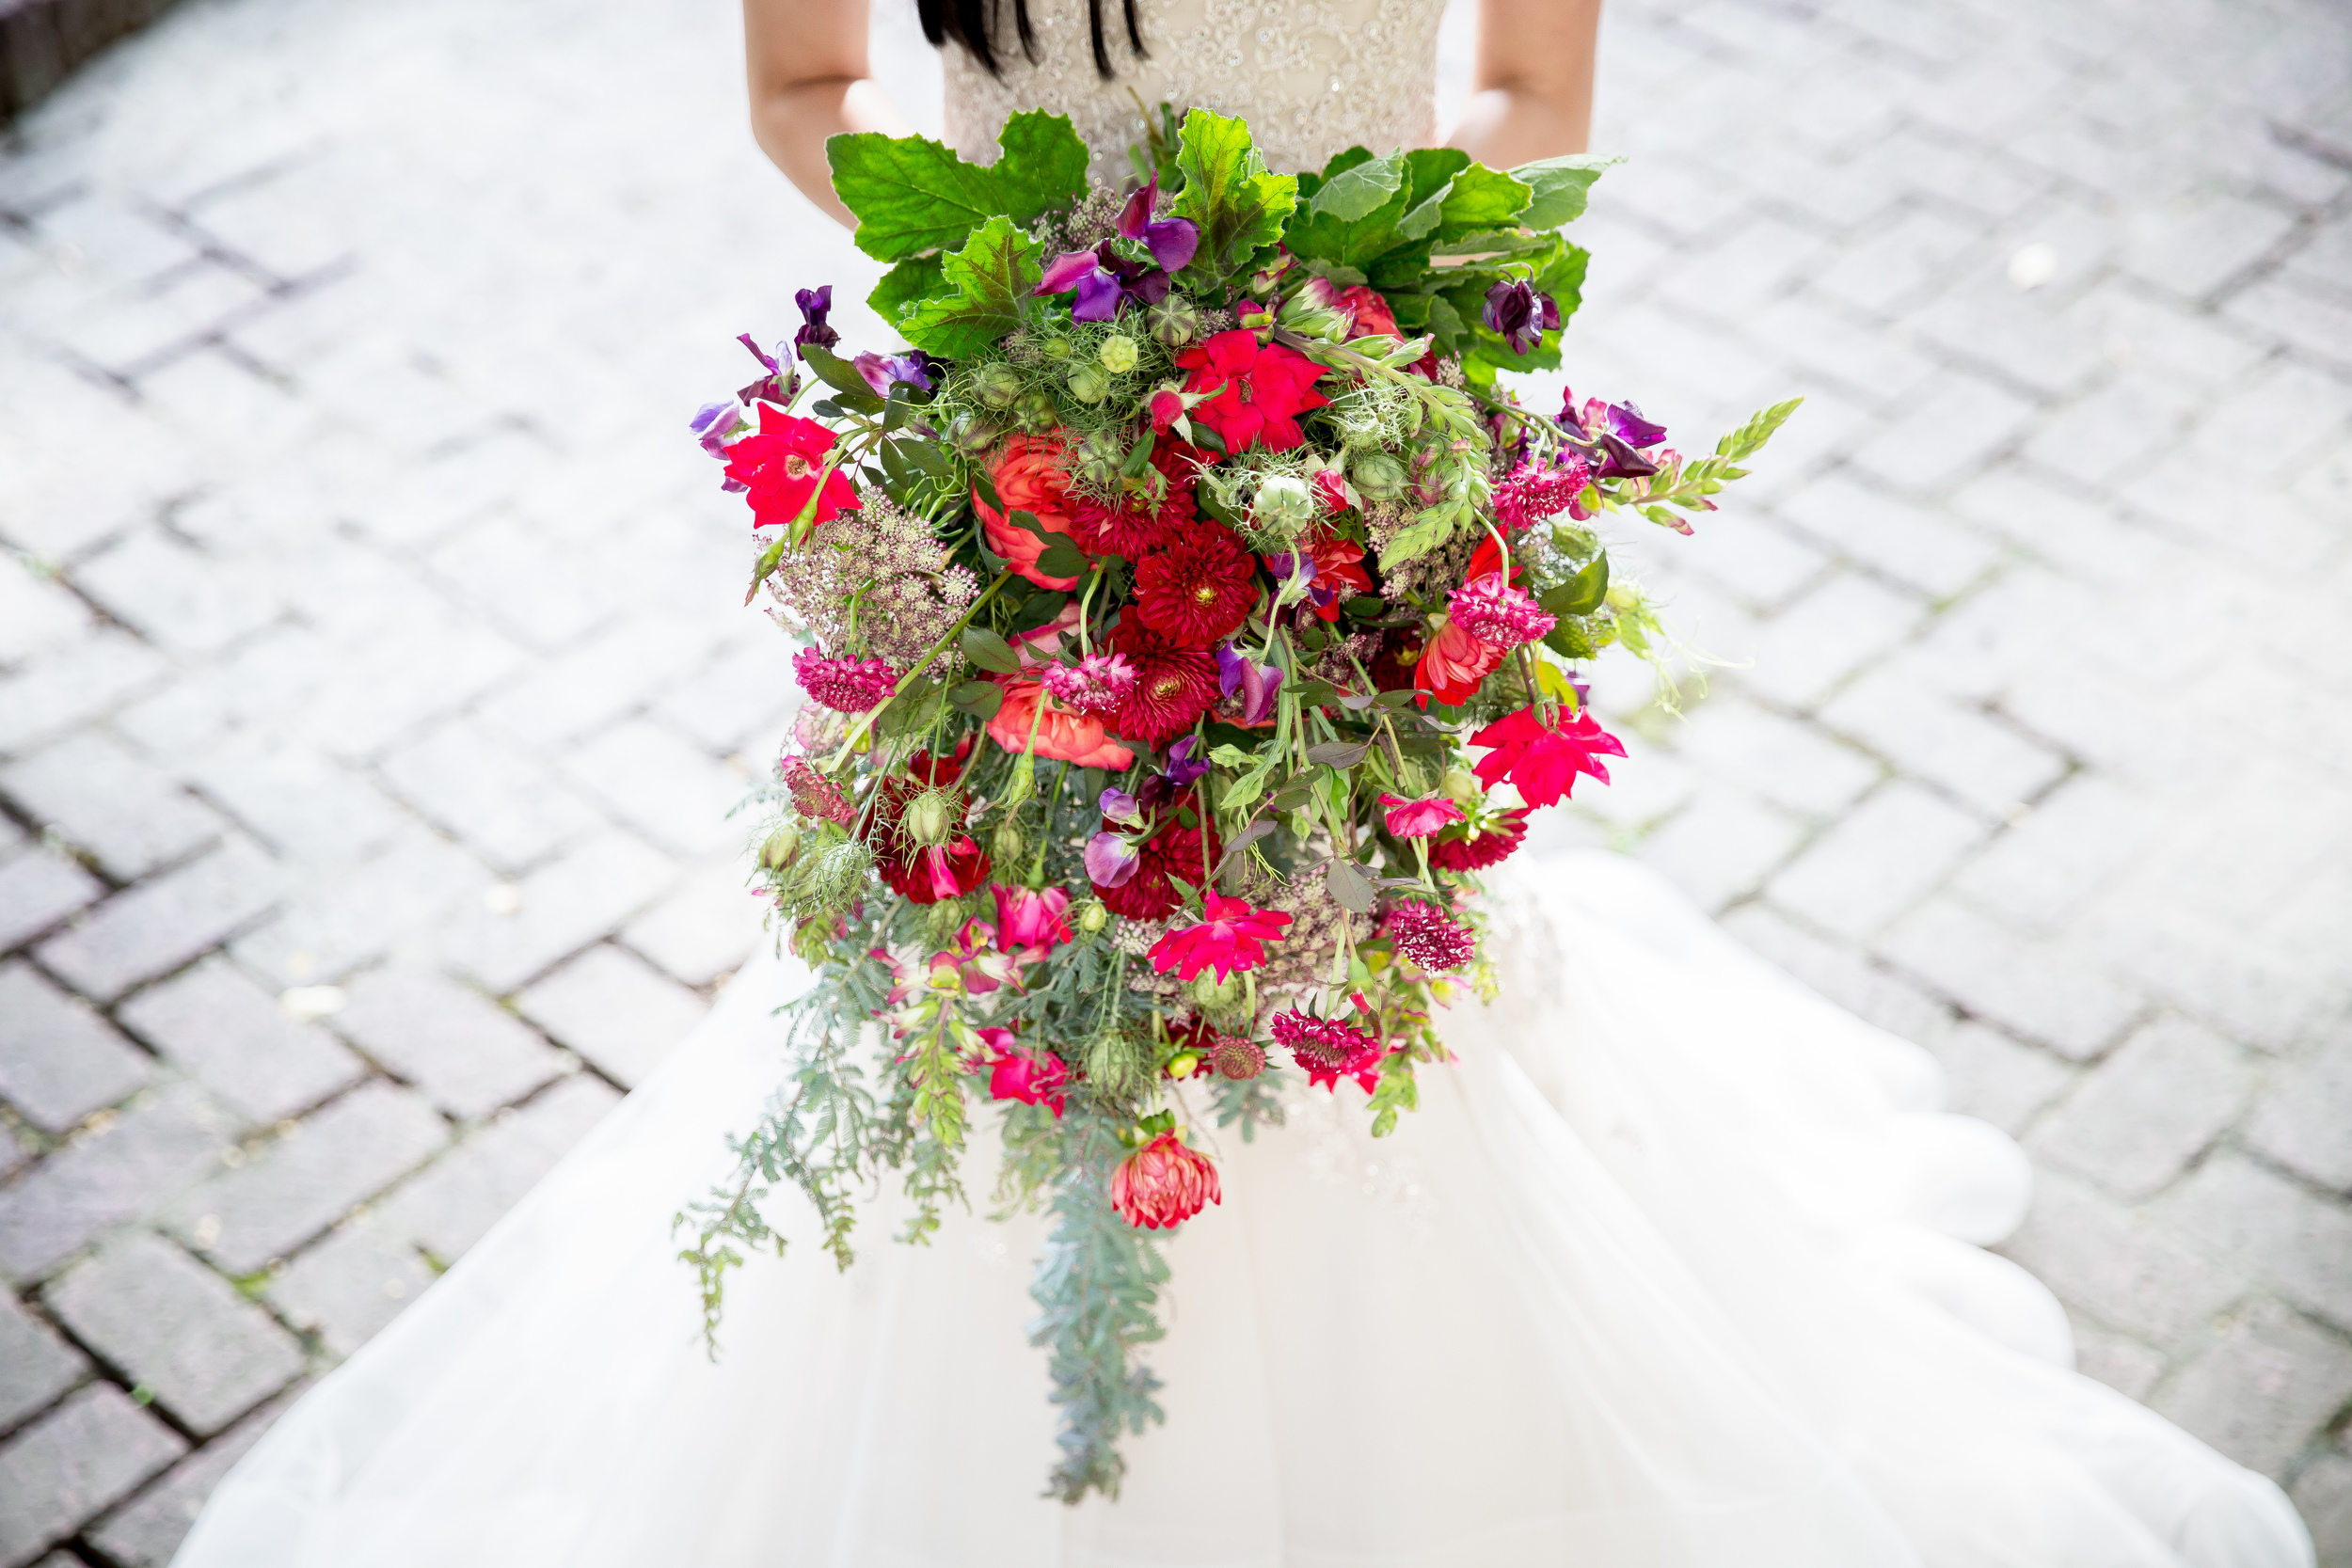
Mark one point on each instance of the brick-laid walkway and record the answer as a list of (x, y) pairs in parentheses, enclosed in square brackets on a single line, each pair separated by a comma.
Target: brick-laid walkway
[(368, 624)]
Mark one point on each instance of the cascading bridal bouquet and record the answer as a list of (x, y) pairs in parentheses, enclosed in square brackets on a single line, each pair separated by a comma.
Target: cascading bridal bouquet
[(1191, 617)]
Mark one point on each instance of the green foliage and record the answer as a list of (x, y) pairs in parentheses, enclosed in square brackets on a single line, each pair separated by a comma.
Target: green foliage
[(913, 195), (918, 277), (991, 276), (1229, 194), (1250, 1104), (1561, 186), (1044, 166)]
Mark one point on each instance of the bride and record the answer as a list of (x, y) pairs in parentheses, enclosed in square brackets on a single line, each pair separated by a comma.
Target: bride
[(1677, 1268)]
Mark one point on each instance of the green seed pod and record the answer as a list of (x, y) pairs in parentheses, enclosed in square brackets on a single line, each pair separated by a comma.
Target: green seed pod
[(1463, 785), (1090, 382), (1117, 354), (1099, 457), (1038, 411), (781, 847), (1379, 475), (1173, 322), (1092, 916), (996, 383), (1055, 348), (973, 437), (928, 817), (1009, 841)]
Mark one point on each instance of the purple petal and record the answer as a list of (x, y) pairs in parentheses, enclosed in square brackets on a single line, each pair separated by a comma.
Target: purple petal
[(1098, 297), (1067, 270), (1626, 422), (1119, 806), (745, 339), (1111, 859), (875, 370), (1136, 214), (1230, 664), (1258, 683), (1182, 766), (1172, 243)]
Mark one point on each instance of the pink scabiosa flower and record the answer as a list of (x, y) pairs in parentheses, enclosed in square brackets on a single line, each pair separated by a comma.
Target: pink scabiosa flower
[(814, 795), (1031, 923), (1231, 939), (1541, 760), (1421, 817), (1428, 936), (843, 685), (1328, 1048), (1531, 493), (1496, 614), (1096, 684), (1163, 1184)]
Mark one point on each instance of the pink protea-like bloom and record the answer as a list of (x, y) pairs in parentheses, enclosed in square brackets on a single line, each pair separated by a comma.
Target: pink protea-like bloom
[(1231, 939), (1497, 613), (1419, 818), (1428, 936), (1029, 923), (814, 795), (1096, 684), (1530, 493), (843, 685), (1163, 1184), (1543, 760), (1329, 1049)]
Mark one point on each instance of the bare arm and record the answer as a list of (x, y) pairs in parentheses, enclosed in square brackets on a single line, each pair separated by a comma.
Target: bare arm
[(1532, 93), (810, 80)]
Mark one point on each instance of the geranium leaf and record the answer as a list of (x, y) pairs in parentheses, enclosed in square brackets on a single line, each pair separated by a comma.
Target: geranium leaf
[(991, 274), (1561, 186), (910, 194), (918, 277), (1043, 166), (1481, 197), (988, 651), (1359, 190), (1229, 194)]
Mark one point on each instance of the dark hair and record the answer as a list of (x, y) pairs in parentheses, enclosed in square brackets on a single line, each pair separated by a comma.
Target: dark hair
[(970, 23)]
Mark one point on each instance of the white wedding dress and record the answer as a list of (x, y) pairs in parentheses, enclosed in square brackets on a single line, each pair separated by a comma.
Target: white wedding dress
[(1675, 1269)]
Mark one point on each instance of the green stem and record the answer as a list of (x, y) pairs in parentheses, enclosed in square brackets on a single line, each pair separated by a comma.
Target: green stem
[(865, 721)]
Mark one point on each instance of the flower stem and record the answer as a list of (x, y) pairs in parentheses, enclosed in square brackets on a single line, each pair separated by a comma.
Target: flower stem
[(865, 721)]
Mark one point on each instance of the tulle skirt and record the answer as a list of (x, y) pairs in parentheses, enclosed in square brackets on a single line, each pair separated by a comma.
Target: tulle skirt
[(1676, 1266)]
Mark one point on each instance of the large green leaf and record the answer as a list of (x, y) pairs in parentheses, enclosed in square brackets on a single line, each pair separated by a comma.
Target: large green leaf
[(1043, 166), (1561, 185), (918, 277), (910, 194), (1228, 194), (1360, 188), (1480, 197), (990, 274)]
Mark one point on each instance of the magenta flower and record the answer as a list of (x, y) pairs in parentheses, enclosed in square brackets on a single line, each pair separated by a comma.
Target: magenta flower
[(882, 374), (1111, 859), (1256, 683), (1422, 817), (1029, 923), (1098, 289), (843, 685), (1530, 493), (1543, 760), (973, 956), (1428, 936), (1329, 1049), (814, 795), (1231, 939), (1096, 684), (1614, 432), (1496, 614), (1015, 1074), (1171, 240), (814, 304)]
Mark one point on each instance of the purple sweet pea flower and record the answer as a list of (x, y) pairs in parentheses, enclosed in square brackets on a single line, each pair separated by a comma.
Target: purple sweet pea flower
[(1520, 314), (713, 422), (1120, 807), (1171, 240), (1616, 432), (1183, 764), (777, 384), (1257, 683), (814, 303), (1098, 289), (1111, 859), (882, 374)]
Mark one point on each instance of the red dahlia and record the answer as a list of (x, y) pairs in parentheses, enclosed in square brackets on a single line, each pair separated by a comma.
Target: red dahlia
[(1172, 854), (1174, 684), (1199, 589), (1133, 528), (1475, 852)]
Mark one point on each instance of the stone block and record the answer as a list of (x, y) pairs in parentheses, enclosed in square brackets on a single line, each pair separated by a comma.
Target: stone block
[(1896, 262), (72, 686), (661, 787), (507, 806), (2122, 1266), (615, 1010), (2154, 1104), (464, 1051), (1893, 537), (599, 681), (2114, 429), (1872, 364), (2138, 331), (308, 805), (1926, 736), (2122, 1363), (350, 1285), (2323, 1495), (1842, 974), (236, 1038), (393, 904), (177, 597), (449, 1206), (36, 1366), (112, 802), (1879, 859), (162, 923), (702, 931), (741, 694), (1990, 1076), (308, 1177), (2266, 1386), (1759, 565), (394, 683), (146, 1530), (174, 1326), (588, 891), (1946, 437), (2050, 994), (2291, 407), (2075, 843), (36, 615), (1721, 846), (2304, 1119), (2018, 339), (1647, 787), (528, 582), (2196, 246), (2214, 970), (1848, 621), (1741, 267), (2298, 1244), (59, 1060), (73, 1464), (112, 1172), (1787, 762), (38, 889)]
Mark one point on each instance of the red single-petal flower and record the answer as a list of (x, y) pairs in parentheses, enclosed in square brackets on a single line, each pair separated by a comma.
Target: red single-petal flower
[(1163, 1184), (1199, 589), (1229, 941), (1542, 761), (1014, 1074), (1258, 390), (1029, 921), (779, 468), (1174, 684)]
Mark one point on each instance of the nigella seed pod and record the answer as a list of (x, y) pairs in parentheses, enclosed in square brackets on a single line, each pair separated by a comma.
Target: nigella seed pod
[(1098, 460), (928, 818), (1379, 475), (1009, 842), (1117, 354), (1090, 382), (1092, 916), (997, 385), (973, 438), (1038, 411), (782, 848), (1173, 322)]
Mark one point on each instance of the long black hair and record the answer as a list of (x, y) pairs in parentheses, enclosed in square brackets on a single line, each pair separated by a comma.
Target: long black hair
[(971, 22)]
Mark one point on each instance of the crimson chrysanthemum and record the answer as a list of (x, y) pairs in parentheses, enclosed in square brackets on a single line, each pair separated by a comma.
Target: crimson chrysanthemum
[(1174, 684), (1134, 526), (1468, 849), (1199, 589), (1428, 936), (1163, 1184), (1328, 1048), (843, 685)]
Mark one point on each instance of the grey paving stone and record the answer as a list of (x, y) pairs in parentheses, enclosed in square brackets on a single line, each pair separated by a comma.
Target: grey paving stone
[(600, 680), (72, 1464), (38, 889), (2154, 1104), (1930, 737), (107, 799), (160, 924), (1880, 858), (2297, 1242), (308, 805), (2193, 248), (1845, 974), (2046, 995), (347, 917), (1992, 1077), (1904, 541), (112, 1172), (1796, 667), (702, 930), (1897, 263), (177, 597), (308, 1179), (174, 1326), (1875, 364), (2302, 1116), (216, 1022), (36, 1366), (36, 615), (614, 1009), (350, 1285), (2135, 330), (2115, 427), (2123, 1267), (2323, 1495), (468, 1053), (145, 1531), (2128, 1366), (590, 890), (2263, 1390), (2019, 339), (506, 805), (661, 787), (59, 1061), (1946, 437), (453, 1202), (395, 683), (739, 697), (74, 685), (528, 582)]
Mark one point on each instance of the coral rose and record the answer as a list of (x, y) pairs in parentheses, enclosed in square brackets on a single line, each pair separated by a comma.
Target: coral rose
[(1062, 734), (1029, 477)]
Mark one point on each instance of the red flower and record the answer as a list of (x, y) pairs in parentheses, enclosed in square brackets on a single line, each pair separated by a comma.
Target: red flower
[(1541, 760), (1261, 391), (919, 870), (1029, 477), (1174, 684), (1421, 817), (1478, 848), (1371, 312), (1231, 939), (1328, 1048), (1128, 529), (1014, 1074), (1174, 853), (1029, 923), (779, 467), (1338, 572), (1428, 936), (1163, 1184), (1452, 664), (1198, 590)]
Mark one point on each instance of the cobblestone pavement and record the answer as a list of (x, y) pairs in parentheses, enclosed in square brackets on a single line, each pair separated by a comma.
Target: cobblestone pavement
[(367, 623)]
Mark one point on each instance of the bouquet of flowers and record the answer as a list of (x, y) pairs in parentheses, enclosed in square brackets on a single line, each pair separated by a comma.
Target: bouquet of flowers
[(1191, 616)]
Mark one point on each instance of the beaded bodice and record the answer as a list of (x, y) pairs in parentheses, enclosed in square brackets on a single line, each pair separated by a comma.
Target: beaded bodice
[(1312, 76)]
